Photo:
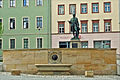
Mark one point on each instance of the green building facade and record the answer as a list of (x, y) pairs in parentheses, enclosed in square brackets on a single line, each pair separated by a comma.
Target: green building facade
[(25, 24)]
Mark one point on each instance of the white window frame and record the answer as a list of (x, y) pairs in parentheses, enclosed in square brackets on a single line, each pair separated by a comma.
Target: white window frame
[(37, 43), (28, 43), (10, 43)]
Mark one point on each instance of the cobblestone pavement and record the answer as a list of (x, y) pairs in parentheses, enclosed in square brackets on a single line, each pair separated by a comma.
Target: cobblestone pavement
[(8, 76)]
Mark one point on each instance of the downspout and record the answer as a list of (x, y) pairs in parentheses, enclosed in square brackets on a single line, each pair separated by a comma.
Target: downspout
[(49, 23)]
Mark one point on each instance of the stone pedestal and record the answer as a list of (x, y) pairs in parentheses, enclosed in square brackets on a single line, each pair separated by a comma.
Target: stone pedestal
[(75, 44), (89, 74), (15, 72), (53, 69)]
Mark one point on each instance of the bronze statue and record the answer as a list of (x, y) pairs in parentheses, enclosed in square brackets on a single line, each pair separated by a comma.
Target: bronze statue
[(75, 26)]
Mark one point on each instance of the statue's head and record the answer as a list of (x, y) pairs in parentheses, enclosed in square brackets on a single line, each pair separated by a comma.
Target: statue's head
[(73, 15)]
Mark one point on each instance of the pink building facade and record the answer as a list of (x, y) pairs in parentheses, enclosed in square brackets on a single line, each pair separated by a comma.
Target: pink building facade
[(113, 40)]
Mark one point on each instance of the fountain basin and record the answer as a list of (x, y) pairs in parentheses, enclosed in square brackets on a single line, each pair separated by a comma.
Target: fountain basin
[(53, 68)]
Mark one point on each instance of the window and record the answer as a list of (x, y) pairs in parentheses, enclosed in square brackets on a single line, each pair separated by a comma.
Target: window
[(25, 23), (107, 24), (61, 9), (102, 44), (39, 22), (0, 43), (39, 2), (25, 3), (84, 8), (25, 43), (1, 3), (84, 44), (64, 44), (95, 25), (95, 8), (84, 26), (12, 23), (12, 3), (0, 23), (61, 26), (39, 42), (12, 43), (1, 29), (72, 8), (107, 7)]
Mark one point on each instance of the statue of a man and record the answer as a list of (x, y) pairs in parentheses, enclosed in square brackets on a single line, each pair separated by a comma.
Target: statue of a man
[(75, 26)]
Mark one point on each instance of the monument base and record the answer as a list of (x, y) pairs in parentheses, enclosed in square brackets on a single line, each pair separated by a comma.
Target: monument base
[(53, 69), (75, 43)]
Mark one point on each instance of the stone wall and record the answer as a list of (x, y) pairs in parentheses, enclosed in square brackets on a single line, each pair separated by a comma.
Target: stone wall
[(101, 61)]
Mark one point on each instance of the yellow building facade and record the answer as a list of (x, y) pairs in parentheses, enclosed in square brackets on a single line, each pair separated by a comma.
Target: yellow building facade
[(98, 22)]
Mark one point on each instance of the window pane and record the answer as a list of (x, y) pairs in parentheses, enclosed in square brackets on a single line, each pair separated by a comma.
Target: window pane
[(107, 26), (84, 26), (1, 3), (84, 8), (106, 44), (25, 43), (39, 2), (84, 44), (0, 43), (61, 27), (97, 44), (39, 42), (72, 8), (95, 27), (95, 7), (64, 44), (25, 2), (107, 7), (12, 43), (102, 44), (12, 3), (61, 9), (25, 23), (12, 23), (0, 22), (39, 22)]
